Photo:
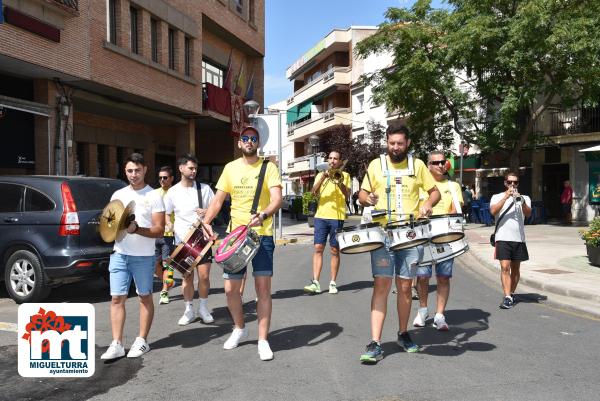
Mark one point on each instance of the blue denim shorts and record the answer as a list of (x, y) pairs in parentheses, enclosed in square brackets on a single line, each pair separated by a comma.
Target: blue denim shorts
[(402, 263), (442, 269), (163, 247), (262, 264), (326, 228), (123, 268)]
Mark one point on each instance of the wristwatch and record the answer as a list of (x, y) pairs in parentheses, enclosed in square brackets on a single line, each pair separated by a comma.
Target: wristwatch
[(264, 216)]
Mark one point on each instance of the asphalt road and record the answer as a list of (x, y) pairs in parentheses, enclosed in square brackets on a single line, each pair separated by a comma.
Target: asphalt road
[(532, 352)]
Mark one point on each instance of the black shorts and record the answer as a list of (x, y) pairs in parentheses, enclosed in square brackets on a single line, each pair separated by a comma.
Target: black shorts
[(207, 258), (511, 250)]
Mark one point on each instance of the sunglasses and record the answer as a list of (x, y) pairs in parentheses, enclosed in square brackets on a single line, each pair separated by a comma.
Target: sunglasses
[(163, 177), (510, 182), (437, 162), (246, 138)]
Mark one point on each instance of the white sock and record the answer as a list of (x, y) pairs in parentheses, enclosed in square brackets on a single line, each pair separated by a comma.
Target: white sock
[(189, 305), (203, 302)]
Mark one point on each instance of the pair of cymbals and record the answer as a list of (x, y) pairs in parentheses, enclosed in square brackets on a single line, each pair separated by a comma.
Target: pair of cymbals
[(115, 218)]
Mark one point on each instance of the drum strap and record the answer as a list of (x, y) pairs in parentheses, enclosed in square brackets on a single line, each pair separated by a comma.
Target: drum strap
[(199, 187), (454, 197), (261, 179), (502, 215)]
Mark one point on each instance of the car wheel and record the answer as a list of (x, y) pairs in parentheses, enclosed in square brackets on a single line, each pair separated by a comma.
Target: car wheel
[(24, 278)]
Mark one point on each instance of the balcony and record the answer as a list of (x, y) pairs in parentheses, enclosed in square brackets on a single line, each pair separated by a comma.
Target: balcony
[(304, 163), (319, 122), (337, 77), (216, 102), (69, 4), (574, 121)]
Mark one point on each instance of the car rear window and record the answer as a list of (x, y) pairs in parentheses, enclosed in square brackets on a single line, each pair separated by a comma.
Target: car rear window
[(90, 194)]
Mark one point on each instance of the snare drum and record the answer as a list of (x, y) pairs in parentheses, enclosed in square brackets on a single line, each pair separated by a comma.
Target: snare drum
[(237, 249), (436, 253), (405, 234), (190, 252), (360, 238), (446, 228)]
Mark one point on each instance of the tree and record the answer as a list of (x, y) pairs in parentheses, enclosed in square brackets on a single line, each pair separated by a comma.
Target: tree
[(487, 69)]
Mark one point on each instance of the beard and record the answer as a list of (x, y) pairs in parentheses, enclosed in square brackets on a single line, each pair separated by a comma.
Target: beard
[(397, 157), (250, 152)]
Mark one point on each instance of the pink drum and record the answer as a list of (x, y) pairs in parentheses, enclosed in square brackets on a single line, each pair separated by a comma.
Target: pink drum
[(237, 249)]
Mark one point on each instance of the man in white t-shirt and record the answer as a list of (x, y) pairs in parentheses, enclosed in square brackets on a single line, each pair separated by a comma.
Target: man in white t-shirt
[(133, 258), (510, 209), (183, 199)]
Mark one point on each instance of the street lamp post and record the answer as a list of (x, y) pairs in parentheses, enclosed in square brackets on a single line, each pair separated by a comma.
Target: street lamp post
[(314, 143)]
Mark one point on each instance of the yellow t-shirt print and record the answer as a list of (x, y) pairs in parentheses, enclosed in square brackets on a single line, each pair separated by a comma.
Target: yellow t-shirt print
[(239, 180)]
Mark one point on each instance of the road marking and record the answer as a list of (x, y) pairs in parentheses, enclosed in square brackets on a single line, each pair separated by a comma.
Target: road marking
[(5, 326)]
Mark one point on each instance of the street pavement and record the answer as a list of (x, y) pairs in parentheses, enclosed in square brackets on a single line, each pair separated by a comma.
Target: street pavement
[(538, 350), (558, 266)]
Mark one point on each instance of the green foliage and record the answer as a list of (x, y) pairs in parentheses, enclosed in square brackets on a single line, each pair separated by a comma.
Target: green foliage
[(486, 69), (306, 198), (592, 235)]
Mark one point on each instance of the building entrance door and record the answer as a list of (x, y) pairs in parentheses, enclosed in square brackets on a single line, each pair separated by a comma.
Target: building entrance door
[(553, 177)]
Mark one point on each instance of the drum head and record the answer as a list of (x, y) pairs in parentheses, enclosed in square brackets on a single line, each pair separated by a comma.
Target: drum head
[(445, 238), (404, 223), (357, 228), (362, 248)]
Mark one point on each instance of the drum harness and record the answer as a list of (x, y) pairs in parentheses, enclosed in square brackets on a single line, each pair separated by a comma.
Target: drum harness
[(398, 174)]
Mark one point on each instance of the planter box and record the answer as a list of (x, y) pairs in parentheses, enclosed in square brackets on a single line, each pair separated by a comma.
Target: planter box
[(593, 255)]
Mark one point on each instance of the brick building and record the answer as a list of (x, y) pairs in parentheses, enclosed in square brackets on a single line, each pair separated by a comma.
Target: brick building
[(83, 83)]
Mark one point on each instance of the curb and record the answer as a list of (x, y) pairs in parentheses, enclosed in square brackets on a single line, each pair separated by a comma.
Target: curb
[(550, 288)]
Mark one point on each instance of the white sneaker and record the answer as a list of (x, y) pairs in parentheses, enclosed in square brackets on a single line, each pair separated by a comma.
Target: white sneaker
[(333, 288), (138, 348), (236, 336), (115, 350), (205, 315), (187, 318), (421, 318), (439, 322), (264, 351)]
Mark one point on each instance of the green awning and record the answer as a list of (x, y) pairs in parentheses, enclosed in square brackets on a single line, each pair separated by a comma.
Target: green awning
[(298, 112)]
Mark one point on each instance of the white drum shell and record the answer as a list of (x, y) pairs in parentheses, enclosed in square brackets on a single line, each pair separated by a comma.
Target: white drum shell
[(446, 228), (361, 240), (436, 253), (404, 237)]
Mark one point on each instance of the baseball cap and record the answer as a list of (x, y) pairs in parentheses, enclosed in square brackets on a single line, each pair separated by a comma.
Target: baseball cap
[(249, 130)]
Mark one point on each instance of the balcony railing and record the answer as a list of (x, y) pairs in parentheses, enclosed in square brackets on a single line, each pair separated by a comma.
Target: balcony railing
[(575, 121), (72, 4), (323, 78)]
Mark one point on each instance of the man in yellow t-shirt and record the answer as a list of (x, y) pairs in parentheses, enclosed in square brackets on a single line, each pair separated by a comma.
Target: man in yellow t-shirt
[(330, 216), (239, 179), (449, 190), (393, 184), (164, 245)]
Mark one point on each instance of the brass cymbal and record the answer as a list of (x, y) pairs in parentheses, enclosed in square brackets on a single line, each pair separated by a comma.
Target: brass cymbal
[(114, 219)]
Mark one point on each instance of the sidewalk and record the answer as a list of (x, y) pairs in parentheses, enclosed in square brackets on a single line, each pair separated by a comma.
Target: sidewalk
[(557, 266)]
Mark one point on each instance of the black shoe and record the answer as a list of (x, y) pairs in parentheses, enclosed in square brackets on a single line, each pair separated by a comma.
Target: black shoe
[(514, 298), (507, 303)]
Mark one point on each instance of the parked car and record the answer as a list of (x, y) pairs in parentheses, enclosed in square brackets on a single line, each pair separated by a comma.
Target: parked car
[(49, 232), (287, 202)]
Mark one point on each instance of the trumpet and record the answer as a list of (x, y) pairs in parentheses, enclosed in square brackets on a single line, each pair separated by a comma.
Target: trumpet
[(336, 175)]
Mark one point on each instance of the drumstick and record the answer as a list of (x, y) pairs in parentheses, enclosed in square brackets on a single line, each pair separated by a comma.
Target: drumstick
[(368, 178)]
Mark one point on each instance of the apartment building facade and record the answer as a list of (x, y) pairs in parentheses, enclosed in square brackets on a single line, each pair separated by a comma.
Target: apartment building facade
[(84, 83)]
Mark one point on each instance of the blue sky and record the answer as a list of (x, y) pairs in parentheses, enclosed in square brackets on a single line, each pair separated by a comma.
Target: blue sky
[(292, 28)]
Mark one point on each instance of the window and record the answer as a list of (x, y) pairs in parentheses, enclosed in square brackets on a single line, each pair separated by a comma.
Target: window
[(360, 101), (172, 44), (212, 74), (134, 30), (252, 11), (154, 39), (187, 48), (111, 21), (239, 6), (11, 199), (35, 201)]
